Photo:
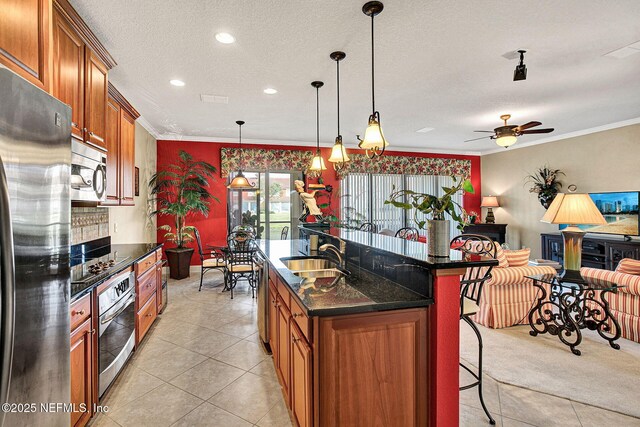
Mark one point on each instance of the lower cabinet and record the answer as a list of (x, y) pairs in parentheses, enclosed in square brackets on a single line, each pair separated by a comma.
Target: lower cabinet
[(301, 374), (148, 282), (145, 318), (82, 361), (353, 369)]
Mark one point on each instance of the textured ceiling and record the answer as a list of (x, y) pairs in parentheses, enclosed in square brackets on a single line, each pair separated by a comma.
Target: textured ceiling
[(439, 64)]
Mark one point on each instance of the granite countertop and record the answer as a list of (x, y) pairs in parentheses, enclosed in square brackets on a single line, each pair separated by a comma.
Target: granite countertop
[(356, 293), (129, 253)]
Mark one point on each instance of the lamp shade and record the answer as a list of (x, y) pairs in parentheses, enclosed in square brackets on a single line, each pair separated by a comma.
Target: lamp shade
[(338, 153), (240, 182), (573, 209), (490, 202), (317, 163), (373, 137)]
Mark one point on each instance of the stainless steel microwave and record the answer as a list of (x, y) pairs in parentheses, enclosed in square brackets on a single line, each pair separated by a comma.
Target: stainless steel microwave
[(88, 173)]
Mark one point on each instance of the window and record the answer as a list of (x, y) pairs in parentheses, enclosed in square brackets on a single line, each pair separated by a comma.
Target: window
[(364, 195)]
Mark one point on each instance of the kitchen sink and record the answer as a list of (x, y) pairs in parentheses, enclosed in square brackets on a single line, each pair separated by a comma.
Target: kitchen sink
[(328, 272), (298, 264)]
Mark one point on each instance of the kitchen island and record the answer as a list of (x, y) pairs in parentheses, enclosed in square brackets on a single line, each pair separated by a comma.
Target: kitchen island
[(376, 346)]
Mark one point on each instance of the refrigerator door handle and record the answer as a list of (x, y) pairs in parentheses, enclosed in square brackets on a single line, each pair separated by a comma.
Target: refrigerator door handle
[(7, 295)]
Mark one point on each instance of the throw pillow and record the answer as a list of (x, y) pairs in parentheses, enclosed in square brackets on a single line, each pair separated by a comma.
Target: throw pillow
[(501, 257), (629, 266), (518, 258)]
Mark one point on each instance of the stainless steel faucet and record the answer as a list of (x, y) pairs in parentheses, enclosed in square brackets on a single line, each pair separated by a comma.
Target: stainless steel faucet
[(340, 252)]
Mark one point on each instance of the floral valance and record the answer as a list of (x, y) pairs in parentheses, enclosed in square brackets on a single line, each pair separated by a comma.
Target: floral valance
[(261, 160), (407, 165), (265, 159)]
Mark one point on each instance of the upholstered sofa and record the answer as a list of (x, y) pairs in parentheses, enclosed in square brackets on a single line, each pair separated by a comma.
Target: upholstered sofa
[(507, 297), (625, 304)]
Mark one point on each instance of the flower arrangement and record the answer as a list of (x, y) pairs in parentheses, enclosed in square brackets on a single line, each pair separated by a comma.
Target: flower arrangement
[(545, 184), (470, 217)]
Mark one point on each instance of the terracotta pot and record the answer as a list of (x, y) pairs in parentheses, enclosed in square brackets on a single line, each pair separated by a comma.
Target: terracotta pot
[(179, 262)]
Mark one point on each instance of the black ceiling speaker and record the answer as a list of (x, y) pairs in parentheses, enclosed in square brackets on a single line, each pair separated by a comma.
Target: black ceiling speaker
[(520, 72)]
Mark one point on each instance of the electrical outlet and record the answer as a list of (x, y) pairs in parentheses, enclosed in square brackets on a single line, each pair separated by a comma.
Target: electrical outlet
[(115, 227)]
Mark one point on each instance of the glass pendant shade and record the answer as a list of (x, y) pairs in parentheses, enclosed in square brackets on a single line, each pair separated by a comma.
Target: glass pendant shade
[(339, 153), (240, 182), (374, 139), (506, 141), (317, 163)]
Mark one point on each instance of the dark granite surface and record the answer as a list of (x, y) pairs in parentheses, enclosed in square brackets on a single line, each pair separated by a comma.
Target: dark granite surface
[(356, 293), (128, 254), (418, 252)]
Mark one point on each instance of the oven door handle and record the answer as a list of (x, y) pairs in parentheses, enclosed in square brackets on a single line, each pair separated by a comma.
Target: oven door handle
[(131, 299)]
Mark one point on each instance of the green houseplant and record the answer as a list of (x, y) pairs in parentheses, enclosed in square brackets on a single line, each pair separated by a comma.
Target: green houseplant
[(180, 191), (435, 208)]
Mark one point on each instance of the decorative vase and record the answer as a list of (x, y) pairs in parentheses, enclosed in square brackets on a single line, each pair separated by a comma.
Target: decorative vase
[(438, 238), (179, 262), (546, 199)]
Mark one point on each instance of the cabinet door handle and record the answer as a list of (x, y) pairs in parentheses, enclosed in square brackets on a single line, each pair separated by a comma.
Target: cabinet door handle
[(297, 314), (74, 124), (294, 339), (93, 331), (84, 129), (79, 313)]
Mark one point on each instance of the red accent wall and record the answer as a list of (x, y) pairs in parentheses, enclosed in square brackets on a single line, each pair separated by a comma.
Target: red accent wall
[(214, 227)]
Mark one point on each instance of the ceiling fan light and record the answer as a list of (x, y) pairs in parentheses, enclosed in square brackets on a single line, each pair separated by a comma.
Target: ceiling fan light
[(240, 182), (339, 153), (373, 137), (506, 141)]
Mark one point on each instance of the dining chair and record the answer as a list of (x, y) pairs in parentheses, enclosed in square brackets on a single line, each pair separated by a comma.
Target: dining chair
[(247, 228), (284, 233), (215, 261), (368, 226), (474, 247), (408, 233), (241, 261)]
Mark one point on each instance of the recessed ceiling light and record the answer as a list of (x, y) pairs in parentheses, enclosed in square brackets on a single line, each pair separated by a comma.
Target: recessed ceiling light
[(176, 82), (270, 91), (225, 38), (424, 130)]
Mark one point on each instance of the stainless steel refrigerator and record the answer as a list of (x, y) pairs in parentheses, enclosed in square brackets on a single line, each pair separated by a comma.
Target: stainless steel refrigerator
[(35, 216)]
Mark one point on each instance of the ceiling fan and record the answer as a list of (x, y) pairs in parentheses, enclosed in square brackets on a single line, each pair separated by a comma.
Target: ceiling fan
[(507, 135)]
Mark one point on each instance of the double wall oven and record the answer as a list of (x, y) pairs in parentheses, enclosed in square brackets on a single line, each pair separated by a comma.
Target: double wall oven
[(116, 336)]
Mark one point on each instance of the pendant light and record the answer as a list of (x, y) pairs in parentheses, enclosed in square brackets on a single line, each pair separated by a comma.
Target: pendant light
[(374, 142), (339, 156), (317, 163), (240, 182)]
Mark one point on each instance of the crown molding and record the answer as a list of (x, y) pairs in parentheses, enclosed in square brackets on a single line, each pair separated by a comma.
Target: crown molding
[(567, 135), (149, 127), (310, 144)]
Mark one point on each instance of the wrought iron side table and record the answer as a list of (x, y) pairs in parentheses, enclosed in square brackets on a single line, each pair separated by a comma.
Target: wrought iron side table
[(572, 306)]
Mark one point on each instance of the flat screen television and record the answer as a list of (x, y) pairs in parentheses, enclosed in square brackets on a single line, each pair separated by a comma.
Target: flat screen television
[(620, 209)]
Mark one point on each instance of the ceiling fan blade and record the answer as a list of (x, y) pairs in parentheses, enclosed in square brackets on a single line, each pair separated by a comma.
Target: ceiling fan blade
[(537, 131), (476, 139), (528, 125), (489, 131)]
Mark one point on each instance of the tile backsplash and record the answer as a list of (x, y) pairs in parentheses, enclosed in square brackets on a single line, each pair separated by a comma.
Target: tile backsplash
[(88, 224)]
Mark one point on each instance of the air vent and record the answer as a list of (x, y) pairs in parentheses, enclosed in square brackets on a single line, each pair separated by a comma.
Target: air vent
[(214, 99)]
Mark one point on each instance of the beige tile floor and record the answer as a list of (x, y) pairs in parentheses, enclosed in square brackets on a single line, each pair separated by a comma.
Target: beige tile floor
[(201, 365)]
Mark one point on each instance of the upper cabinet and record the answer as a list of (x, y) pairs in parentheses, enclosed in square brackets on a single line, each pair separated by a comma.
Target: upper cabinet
[(25, 34), (80, 75)]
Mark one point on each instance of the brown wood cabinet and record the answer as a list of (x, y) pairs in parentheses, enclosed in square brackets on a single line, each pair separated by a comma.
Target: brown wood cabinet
[(96, 90), (82, 361), (148, 272), (356, 369), (120, 143), (25, 34), (68, 71), (301, 379)]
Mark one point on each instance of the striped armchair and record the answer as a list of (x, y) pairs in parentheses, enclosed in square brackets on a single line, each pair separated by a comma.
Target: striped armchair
[(625, 304)]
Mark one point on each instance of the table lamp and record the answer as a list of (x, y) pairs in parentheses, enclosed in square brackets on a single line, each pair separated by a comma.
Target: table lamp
[(490, 202), (573, 209)]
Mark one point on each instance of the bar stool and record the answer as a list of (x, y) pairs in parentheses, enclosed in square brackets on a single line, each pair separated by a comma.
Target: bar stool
[(474, 247)]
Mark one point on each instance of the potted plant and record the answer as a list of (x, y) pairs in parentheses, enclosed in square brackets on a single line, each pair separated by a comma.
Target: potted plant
[(545, 184), (435, 208), (181, 191)]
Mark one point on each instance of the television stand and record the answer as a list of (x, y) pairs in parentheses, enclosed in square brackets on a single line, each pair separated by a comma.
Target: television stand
[(597, 251)]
